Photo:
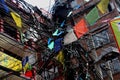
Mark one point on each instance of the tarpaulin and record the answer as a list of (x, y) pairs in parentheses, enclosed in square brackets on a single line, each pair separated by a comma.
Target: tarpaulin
[(80, 28), (103, 6), (17, 19), (60, 57), (92, 16), (4, 6), (115, 25), (70, 37), (58, 44)]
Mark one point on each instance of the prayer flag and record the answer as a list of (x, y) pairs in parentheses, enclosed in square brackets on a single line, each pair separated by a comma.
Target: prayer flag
[(10, 62), (50, 43), (70, 37), (57, 33), (17, 19), (60, 57), (4, 6), (27, 67), (24, 61), (92, 16), (58, 44), (115, 25), (80, 28), (103, 6)]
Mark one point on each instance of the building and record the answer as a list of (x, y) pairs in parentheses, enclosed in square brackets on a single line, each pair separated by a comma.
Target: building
[(79, 40), (98, 41), (19, 30)]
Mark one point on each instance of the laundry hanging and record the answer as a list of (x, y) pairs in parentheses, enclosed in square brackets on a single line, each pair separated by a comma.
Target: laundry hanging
[(103, 6), (92, 16), (70, 37), (4, 6), (80, 28), (17, 19)]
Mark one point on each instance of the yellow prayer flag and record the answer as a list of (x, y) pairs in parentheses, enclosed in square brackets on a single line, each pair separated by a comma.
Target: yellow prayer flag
[(26, 67), (103, 6), (17, 19), (60, 57), (10, 62)]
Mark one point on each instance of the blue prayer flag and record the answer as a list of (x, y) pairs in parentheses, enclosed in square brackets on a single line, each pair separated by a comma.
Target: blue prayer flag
[(58, 44), (4, 6), (24, 61)]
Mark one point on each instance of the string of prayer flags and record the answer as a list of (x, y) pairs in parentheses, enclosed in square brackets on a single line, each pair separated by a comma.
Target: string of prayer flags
[(103, 6), (70, 37), (115, 25), (92, 16), (80, 28), (17, 19), (4, 6)]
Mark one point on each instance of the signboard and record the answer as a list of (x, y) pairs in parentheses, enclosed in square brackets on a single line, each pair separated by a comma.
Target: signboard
[(115, 25), (10, 62)]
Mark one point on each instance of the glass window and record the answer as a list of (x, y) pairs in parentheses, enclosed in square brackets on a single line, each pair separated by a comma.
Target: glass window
[(101, 38)]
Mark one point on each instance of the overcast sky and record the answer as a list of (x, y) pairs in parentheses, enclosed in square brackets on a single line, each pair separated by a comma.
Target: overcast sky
[(41, 3)]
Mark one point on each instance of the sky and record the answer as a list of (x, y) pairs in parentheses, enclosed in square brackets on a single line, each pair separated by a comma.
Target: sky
[(41, 3)]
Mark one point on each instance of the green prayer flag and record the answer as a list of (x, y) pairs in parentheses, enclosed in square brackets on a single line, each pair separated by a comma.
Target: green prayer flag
[(51, 45), (55, 33), (92, 16)]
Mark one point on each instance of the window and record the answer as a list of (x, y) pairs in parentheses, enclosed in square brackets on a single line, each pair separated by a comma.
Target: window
[(101, 38), (118, 5), (11, 31), (115, 65)]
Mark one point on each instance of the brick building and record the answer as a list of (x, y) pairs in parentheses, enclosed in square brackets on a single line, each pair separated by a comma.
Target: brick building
[(100, 39)]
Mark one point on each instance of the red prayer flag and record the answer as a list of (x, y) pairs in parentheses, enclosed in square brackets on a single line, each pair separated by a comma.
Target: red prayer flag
[(80, 28), (28, 73)]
